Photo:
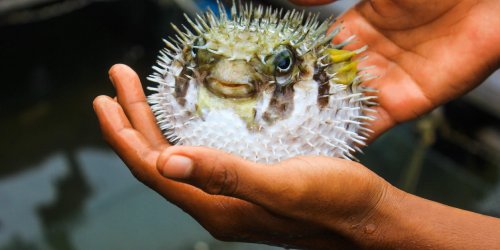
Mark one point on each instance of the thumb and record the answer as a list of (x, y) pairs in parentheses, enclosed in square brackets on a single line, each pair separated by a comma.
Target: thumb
[(220, 173)]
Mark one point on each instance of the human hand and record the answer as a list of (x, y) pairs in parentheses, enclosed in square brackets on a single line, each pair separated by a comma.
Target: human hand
[(303, 202), (425, 52)]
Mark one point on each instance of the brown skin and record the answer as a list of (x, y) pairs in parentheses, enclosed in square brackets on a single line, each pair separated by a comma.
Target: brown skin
[(426, 53), (320, 202)]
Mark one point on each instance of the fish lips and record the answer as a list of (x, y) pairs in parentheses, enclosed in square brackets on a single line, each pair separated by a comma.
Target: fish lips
[(230, 89)]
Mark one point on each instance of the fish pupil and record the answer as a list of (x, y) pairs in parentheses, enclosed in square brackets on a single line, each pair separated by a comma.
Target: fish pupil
[(283, 61)]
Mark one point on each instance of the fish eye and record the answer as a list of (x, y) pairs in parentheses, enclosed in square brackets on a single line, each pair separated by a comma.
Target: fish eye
[(283, 63)]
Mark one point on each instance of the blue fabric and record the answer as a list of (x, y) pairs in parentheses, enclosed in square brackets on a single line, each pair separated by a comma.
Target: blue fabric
[(205, 4), (212, 4)]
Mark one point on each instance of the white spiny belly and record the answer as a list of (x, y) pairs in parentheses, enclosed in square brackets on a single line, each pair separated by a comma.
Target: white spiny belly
[(309, 130)]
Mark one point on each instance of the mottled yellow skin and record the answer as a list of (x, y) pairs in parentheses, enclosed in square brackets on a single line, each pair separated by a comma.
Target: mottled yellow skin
[(242, 45), (239, 72)]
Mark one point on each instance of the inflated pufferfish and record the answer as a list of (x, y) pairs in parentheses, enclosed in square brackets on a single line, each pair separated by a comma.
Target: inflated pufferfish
[(262, 84)]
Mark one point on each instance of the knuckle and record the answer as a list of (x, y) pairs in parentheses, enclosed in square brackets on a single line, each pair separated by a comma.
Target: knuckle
[(222, 180)]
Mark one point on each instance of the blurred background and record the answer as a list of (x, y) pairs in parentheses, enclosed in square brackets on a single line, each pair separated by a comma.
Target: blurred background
[(61, 186)]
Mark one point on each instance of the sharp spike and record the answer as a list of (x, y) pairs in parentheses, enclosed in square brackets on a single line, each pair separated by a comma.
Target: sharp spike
[(222, 12), (171, 46), (234, 11), (196, 27), (347, 41), (183, 35)]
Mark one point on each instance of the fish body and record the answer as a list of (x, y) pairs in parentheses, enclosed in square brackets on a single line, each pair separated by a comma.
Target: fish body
[(263, 84)]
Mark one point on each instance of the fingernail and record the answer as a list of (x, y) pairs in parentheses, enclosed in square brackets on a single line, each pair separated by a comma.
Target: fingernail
[(177, 167)]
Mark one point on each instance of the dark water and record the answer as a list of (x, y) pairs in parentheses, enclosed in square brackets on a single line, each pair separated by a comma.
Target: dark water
[(61, 187)]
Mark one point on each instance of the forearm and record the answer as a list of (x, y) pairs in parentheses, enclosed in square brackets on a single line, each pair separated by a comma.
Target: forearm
[(405, 221)]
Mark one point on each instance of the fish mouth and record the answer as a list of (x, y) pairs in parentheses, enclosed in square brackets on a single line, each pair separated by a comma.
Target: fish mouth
[(230, 89)]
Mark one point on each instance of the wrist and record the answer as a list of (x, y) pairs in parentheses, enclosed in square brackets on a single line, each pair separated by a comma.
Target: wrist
[(400, 220), (383, 214), (368, 216)]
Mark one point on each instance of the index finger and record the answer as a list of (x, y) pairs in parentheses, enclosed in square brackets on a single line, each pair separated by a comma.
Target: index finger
[(131, 97)]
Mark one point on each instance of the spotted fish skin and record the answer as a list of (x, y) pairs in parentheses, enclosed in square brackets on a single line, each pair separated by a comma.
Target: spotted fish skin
[(263, 84)]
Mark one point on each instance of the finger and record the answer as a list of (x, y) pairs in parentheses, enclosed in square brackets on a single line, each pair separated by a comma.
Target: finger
[(138, 155), (141, 159), (220, 173), (136, 152), (128, 143), (131, 97), (311, 2), (294, 188)]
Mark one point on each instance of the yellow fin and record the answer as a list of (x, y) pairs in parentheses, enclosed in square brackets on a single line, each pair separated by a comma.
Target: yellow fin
[(339, 55), (345, 72)]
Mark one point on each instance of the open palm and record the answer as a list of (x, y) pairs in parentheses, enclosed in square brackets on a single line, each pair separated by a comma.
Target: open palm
[(425, 52), (235, 199)]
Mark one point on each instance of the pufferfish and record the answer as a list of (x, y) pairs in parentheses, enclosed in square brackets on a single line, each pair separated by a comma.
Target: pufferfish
[(261, 83)]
